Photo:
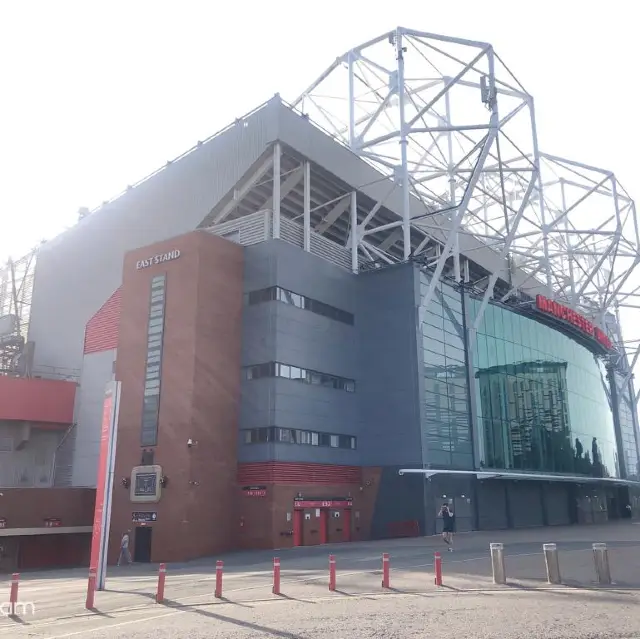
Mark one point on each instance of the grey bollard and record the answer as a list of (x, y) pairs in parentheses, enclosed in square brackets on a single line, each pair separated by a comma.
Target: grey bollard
[(552, 563), (497, 563), (601, 561)]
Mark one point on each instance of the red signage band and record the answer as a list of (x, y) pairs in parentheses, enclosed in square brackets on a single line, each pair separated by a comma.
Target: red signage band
[(255, 493), (566, 314), (298, 503), (101, 483)]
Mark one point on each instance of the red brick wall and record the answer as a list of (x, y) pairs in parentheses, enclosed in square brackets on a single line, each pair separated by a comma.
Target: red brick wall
[(200, 392), (101, 333), (49, 401), (29, 507), (261, 522)]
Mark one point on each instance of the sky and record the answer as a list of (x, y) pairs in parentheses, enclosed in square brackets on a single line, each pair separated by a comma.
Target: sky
[(95, 95)]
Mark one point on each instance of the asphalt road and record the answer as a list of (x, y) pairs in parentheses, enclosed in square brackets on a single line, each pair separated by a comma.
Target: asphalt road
[(468, 605)]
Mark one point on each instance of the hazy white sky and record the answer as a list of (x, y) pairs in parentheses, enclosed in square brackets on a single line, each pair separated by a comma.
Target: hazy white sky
[(96, 94)]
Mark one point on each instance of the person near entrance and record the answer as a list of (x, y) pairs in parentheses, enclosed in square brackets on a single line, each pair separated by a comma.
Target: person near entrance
[(447, 526), (124, 548)]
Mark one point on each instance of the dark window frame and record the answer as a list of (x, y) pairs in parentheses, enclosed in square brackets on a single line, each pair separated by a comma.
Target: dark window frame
[(294, 436), (280, 294)]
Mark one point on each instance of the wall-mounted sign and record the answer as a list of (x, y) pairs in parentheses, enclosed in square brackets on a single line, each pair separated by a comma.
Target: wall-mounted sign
[(3, 523), (545, 305), (312, 502), (144, 517), (158, 259), (254, 491), (52, 522)]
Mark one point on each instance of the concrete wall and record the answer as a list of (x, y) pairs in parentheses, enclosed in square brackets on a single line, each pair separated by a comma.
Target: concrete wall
[(97, 370), (78, 270)]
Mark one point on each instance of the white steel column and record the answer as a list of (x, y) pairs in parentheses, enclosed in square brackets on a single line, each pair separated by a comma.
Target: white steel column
[(354, 231), (352, 101), (452, 186), (404, 165), (563, 197), (277, 151), (307, 206), (541, 203)]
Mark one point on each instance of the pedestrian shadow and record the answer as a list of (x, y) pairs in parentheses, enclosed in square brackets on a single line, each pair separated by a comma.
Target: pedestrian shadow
[(236, 622)]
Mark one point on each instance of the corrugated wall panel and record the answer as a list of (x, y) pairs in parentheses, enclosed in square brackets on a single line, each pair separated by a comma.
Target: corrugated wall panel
[(49, 401), (292, 473), (101, 333)]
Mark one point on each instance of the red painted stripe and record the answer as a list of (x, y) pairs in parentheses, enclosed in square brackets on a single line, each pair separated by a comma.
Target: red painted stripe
[(101, 333), (297, 473)]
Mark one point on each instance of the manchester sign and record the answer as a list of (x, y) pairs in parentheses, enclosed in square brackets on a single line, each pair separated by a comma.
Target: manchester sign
[(158, 259), (545, 305)]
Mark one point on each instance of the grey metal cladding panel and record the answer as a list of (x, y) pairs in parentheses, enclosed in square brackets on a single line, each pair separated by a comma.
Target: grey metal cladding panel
[(257, 403), (315, 342), (295, 453), (259, 333), (97, 370), (388, 384), (309, 275), (77, 271), (315, 408), (260, 266)]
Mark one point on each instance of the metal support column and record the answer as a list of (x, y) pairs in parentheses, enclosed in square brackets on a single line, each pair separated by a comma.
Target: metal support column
[(354, 231), (404, 163), (307, 206), (277, 151)]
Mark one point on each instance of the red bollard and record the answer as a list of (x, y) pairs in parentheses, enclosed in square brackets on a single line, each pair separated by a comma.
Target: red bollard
[(162, 575), (332, 572), (385, 570), (438, 567), (13, 597), (91, 590), (276, 575), (219, 565)]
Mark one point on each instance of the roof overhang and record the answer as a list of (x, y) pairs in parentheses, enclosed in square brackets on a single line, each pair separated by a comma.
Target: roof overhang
[(578, 479)]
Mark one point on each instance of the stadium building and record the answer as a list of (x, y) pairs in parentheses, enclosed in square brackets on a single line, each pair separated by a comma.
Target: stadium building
[(325, 320)]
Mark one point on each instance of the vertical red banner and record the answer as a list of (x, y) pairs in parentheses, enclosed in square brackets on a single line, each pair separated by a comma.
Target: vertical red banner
[(101, 485)]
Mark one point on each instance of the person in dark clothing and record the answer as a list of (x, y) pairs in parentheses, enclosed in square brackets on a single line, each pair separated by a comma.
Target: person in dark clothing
[(447, 528)]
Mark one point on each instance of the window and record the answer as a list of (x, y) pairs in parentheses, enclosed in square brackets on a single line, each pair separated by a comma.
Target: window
[(276, 293), (155, 331), (295, 436), (286, 371)]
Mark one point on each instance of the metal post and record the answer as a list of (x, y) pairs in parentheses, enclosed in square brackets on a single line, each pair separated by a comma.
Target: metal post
[(552, 563), (162, 575), (385, 570), (91, 591), (332, 572), (497, 563), (219, 567), (277, 151), (13, 596), (601, 561), (276, 575), (437, 564)]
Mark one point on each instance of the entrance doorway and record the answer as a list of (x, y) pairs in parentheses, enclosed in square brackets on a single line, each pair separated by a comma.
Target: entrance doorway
[(142, 545), (321, 521)]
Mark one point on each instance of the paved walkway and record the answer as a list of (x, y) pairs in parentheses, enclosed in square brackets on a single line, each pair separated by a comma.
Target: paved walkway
[(59, 598)]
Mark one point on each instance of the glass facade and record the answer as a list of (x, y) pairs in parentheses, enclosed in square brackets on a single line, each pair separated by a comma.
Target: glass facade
[(445, 426), (628, 431), (541, 398)]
